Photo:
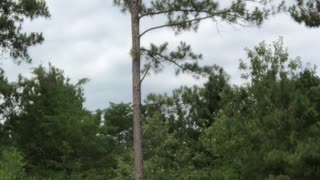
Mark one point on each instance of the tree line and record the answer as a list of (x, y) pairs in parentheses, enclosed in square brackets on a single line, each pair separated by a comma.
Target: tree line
[(266, 128)]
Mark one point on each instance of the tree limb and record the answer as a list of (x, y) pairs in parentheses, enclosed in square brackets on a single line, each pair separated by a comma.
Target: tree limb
[(169, 11), (180, 23), (172, 61), (146, 73)]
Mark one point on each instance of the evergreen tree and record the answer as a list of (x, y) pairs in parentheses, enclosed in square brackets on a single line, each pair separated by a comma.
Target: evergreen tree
[(307, 12), (13, 13), (181, 16)]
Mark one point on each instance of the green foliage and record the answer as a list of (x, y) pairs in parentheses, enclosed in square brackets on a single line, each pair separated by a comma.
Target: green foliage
[(307, 12), (185, 15), (118, 122), (118, 125), (173, 126), (57, 135), (266, 129), (51, 110), (12, 165), (158, 55), (7, 104), (125, 169), (12, 15), (181, 15), (270, 127)]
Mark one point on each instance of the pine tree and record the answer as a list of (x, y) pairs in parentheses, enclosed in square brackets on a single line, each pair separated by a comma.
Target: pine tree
[(307, 12), (13, 40), (181, 15)]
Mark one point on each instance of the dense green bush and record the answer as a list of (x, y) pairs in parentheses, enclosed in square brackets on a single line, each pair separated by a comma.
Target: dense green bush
[(12, 165)]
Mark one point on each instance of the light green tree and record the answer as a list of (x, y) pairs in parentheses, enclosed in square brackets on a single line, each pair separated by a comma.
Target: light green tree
[(12, 165)]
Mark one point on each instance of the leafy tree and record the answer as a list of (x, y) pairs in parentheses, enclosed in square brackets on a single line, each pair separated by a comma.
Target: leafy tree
[(181, 16), (96, 150), (178, 122), (12, 15), (57, 135), (269, 128), (50, 108), (117, 120)]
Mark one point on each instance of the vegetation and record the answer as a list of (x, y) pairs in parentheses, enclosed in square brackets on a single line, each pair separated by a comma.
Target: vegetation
[(182, 15), (12, 164), (266, 128), (12, 15), (307, 12)]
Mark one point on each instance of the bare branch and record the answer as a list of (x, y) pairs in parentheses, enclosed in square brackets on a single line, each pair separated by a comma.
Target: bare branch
[(146, 73)]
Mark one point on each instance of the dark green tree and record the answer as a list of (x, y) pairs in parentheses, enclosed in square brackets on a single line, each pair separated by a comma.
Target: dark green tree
[(95, 150), (57, 135), (117, 120), (7, 106), (13, 13), (116, 123), (307, 12)]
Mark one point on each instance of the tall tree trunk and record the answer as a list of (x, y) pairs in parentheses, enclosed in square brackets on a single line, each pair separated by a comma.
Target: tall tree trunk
[(136, 87)]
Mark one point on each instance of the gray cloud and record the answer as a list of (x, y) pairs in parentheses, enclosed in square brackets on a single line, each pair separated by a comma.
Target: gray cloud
[(92, 39)]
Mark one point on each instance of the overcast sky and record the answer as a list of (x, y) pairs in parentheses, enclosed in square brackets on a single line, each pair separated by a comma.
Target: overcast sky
[(91, 38)]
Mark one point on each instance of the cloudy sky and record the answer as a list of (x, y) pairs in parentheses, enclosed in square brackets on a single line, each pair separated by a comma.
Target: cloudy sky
[(92, 39)]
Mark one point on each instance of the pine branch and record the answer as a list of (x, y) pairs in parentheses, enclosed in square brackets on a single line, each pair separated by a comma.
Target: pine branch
[(173, 62), (170, 11), (146, 73), (179, 23), (162, 56)]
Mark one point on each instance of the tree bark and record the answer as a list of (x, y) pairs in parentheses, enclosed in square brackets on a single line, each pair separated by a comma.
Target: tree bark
[(136, 90)]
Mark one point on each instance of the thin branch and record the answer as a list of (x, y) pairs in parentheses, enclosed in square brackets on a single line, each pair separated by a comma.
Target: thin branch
[(156, 61), (186, 10), (163, 57), (173, 61), (180, 23), (146, 73), (169, 11)]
